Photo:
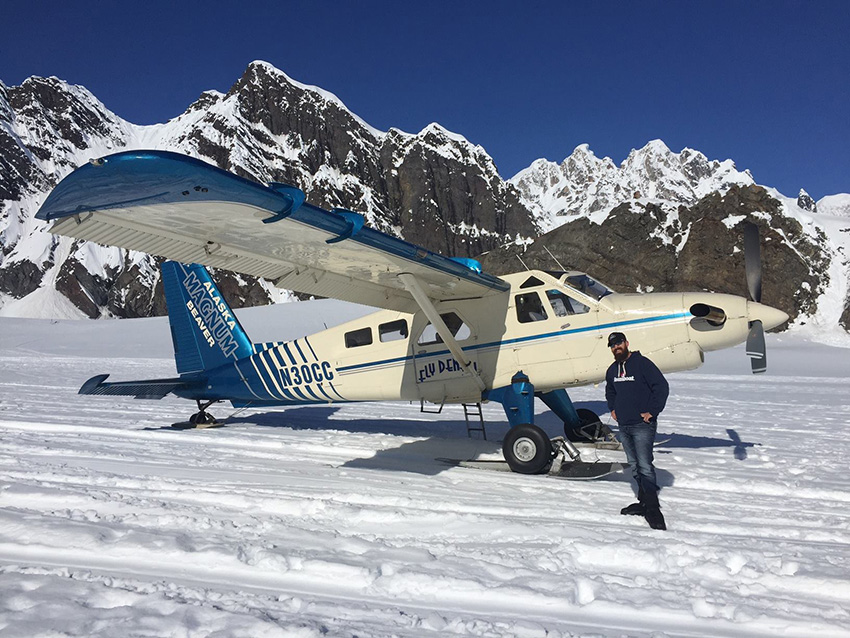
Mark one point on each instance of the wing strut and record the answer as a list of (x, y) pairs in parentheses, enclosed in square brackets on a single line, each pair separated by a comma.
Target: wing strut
[(413, 286)]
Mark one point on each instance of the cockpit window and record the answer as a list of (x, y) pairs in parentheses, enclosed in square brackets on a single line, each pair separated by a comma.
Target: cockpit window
[(564, 305), (587, 285)]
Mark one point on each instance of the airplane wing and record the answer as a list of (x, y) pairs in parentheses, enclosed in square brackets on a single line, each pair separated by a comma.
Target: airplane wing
[(178, 207)]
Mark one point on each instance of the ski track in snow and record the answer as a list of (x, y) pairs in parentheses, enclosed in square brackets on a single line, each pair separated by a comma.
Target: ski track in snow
[(337, 520)]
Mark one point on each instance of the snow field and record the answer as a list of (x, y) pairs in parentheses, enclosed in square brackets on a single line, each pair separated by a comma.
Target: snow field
[(338, 521)]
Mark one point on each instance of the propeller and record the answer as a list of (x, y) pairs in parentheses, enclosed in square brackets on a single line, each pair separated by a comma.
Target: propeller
[(752, 260)]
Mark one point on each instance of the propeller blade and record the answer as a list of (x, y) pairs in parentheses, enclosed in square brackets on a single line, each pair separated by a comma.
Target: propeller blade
[(752, 260), (755, 347)]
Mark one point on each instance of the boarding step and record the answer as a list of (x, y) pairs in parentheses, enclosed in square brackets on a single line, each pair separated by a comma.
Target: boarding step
[(474, 410)]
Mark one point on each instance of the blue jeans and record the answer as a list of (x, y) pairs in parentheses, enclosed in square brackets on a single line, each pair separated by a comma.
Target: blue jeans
[(637, 440)]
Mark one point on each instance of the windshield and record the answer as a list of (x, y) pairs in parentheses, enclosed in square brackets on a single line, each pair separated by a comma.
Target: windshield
[(587, 285)]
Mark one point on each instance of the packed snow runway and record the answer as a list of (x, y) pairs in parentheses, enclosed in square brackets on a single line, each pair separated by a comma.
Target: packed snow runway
[(338, 520)]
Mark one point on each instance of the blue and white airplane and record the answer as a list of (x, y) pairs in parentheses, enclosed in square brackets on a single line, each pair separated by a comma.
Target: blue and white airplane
[(446, 332)]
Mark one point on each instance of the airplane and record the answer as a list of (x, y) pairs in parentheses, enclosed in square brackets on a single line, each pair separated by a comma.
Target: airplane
[(446, 332)]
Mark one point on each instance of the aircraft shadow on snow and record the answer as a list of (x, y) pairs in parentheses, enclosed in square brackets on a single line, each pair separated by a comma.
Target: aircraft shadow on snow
[(448, 438)]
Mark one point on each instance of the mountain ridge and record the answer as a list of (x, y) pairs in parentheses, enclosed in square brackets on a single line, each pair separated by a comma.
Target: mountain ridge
[(433, 188)]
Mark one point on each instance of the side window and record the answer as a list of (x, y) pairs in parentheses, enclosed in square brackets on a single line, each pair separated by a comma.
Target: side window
[(564, 305), (529, 308), (392, 331), (357, 338), (453, 322)]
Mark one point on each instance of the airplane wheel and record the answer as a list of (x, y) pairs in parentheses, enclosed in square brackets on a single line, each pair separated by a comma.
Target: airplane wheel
[(583, 434), (527, 449)]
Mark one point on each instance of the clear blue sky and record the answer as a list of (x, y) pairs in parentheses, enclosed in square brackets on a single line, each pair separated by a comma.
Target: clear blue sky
[(766, 84)]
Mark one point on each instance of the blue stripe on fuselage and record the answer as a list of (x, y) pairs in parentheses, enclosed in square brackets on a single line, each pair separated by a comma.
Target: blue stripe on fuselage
[(499, 344)]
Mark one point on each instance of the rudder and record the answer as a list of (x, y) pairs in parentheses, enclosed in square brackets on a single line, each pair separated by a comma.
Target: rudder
[(204, 330)]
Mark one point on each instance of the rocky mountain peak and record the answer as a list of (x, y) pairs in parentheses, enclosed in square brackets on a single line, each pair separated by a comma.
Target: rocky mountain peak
[(206, 100), (805, 201), (584, 185), (71, 112)]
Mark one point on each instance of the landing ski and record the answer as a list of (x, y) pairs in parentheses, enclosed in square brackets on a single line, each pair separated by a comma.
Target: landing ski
[(571, 471)]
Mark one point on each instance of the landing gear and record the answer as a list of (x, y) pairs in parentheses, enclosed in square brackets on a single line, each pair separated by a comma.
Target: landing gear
[(202, 418), (591, 430), (527, 449)]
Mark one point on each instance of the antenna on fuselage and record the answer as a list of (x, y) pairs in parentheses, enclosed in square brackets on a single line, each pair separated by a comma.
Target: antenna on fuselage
[(546, 248), (523, 263)]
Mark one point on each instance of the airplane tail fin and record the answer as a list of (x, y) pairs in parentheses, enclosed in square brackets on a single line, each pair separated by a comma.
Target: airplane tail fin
[(205, 331)]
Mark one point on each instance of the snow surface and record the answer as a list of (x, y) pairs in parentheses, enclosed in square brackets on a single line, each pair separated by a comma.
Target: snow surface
[(338, 521), (837, 205)]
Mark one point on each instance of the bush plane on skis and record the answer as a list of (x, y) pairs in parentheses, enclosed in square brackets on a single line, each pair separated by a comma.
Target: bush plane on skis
[(446, 332)]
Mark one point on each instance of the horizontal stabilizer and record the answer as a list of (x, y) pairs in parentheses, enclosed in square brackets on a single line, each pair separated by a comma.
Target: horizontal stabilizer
[(150, 389)]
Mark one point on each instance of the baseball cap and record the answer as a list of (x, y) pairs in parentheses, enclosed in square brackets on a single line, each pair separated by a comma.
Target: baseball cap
[(615, 337)]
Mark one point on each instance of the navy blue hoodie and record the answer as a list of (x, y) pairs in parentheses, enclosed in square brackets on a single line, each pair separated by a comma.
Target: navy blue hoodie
[(638, 386)]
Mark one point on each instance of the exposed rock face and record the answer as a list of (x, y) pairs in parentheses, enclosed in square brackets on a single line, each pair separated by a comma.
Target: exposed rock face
[(700, 250)]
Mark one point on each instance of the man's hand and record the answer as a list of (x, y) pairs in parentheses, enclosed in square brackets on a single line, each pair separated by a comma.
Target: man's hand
[(614, 414), (647, 417)]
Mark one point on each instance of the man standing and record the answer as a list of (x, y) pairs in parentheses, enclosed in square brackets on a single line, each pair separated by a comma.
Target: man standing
[(637, 392)]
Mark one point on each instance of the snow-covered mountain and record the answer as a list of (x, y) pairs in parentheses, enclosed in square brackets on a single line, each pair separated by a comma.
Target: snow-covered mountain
[(585, 186), (672, 221), (659, 220), (433, 188)]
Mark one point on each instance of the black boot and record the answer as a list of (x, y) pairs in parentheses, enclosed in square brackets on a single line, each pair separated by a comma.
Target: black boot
[(635, 509), (653, 513)]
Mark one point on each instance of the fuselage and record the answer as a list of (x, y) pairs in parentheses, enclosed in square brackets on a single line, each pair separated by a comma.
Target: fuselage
[(551, 326)]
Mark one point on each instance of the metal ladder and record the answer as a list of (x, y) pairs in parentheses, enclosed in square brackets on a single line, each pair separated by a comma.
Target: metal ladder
[(474, 410)]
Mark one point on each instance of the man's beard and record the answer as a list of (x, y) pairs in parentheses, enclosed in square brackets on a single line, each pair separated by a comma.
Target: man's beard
[(619, 357)]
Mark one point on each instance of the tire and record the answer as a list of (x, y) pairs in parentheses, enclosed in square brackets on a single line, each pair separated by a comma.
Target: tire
[(527, 449), (583, 434)]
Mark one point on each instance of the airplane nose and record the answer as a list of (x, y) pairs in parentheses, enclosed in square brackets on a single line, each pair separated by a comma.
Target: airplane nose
[(770, 317)]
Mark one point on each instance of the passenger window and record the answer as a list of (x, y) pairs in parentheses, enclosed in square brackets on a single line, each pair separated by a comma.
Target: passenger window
[(357, 338), (453, 322), (392, 331), (564, 305), (529, 308)]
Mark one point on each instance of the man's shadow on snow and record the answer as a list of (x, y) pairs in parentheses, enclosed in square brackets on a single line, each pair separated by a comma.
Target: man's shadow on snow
[(688, 441)]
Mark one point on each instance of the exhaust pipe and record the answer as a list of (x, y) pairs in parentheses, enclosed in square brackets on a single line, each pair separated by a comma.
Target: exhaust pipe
[(714, 316)]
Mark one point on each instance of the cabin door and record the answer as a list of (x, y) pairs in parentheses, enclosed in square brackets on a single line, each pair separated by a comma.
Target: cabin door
[(439, 377)]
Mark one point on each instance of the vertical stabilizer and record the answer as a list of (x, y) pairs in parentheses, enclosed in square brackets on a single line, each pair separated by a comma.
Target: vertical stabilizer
[(205, 332)]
